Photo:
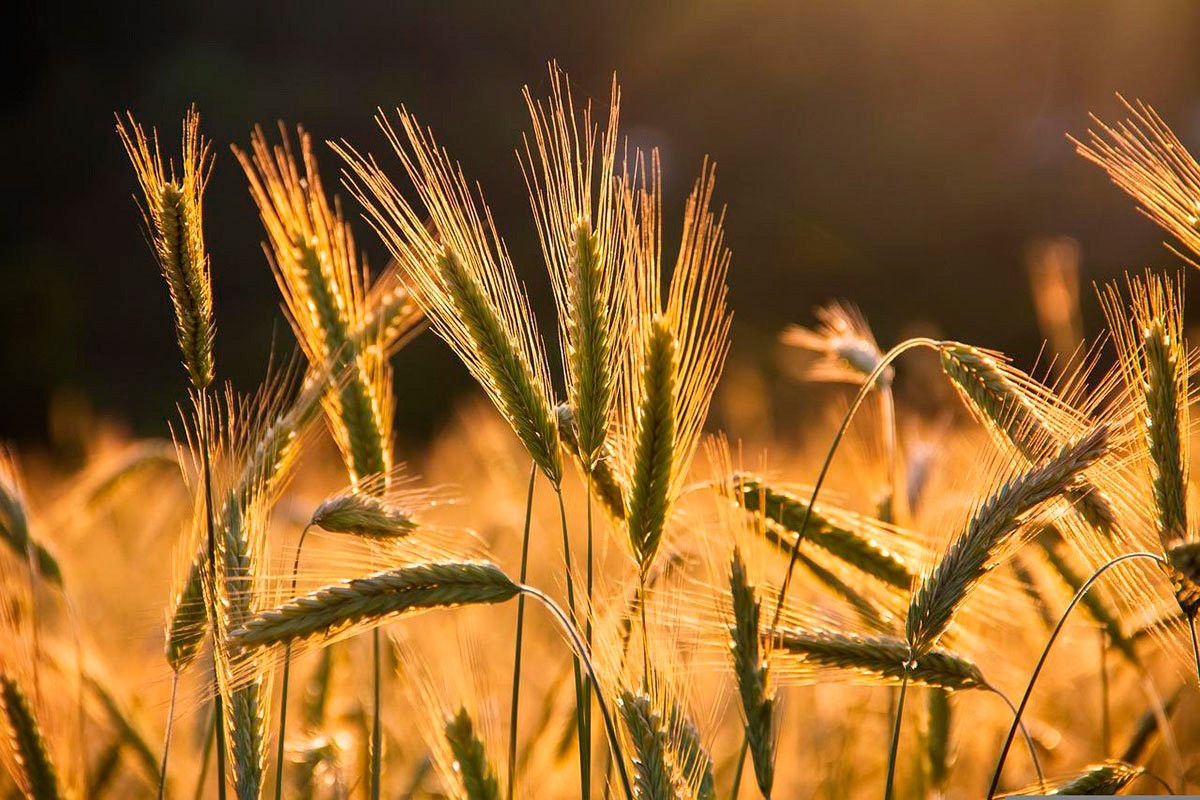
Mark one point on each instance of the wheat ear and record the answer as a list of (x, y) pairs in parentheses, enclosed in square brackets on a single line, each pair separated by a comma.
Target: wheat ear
[(978, 548), (461, 276), (14, 523), (878, 658), (332, 609), (752, 670), (1108, 778), (783, 509), (606, 484), (647, 734), (313, 255), (173, 209), (35, 772), (474, 768), (1144, 157), (1003, 400)]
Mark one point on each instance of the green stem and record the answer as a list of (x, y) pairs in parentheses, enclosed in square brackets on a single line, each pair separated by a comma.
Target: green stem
[(162, 772), (587, 684), (287, 670), (515, 705), (1083, 590), (218, 700), (868, 384), (736, 788), (205, 756), (585, 777), (1105, 738), (377, 723), (645, 632), (580, 652), (891, 770)]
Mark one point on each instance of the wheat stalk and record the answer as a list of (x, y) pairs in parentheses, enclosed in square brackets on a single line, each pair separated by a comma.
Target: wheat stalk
[(977, 549), (173, 207), (332, 609)]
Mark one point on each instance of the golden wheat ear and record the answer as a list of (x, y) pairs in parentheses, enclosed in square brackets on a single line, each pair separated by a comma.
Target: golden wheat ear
[(990, 535), (173, 208), (677, 352), (569, 169), (1144, 157), (845, 346), (459, 272), (313, 255), (1108, 778)]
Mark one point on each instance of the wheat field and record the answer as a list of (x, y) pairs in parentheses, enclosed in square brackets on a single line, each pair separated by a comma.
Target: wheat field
[(583, 587)]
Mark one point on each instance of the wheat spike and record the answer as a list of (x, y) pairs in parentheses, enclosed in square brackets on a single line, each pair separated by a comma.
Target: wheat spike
[(605, 483), (313, 256), (1007, 403), (751, 668), (332, 609), (846, 346), (14, 523), (1144, 157), (676, 353), (876, 659), (979, 548), (173, 208), (784, 509), (471, 763), (569, 169), (34, 771), (1108, 778), (363, 514), (461, 276), (648, 736)]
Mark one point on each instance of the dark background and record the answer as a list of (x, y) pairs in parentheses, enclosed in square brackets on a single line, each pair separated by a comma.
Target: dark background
[(902, 155)]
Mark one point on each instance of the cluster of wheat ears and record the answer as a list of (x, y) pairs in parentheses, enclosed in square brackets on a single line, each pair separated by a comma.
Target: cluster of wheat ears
[(641, 639)]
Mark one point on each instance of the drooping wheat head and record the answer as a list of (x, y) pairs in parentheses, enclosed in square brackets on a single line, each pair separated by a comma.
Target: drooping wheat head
[(460, 273), (606, 483), (676, 354), (1144, 157), (366, 601), (569, 169), (1026, 416), (382, 507), (844, 343), (1108, 778), (990, 535), (173, 208), (316, 267)]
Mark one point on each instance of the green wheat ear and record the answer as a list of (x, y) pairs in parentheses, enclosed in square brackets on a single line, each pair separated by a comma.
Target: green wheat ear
[(751, 670), (654, 447), (37, 775), (474, 769)]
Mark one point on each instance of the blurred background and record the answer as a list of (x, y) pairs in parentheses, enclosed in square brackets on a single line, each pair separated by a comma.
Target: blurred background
[(906, 156)]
